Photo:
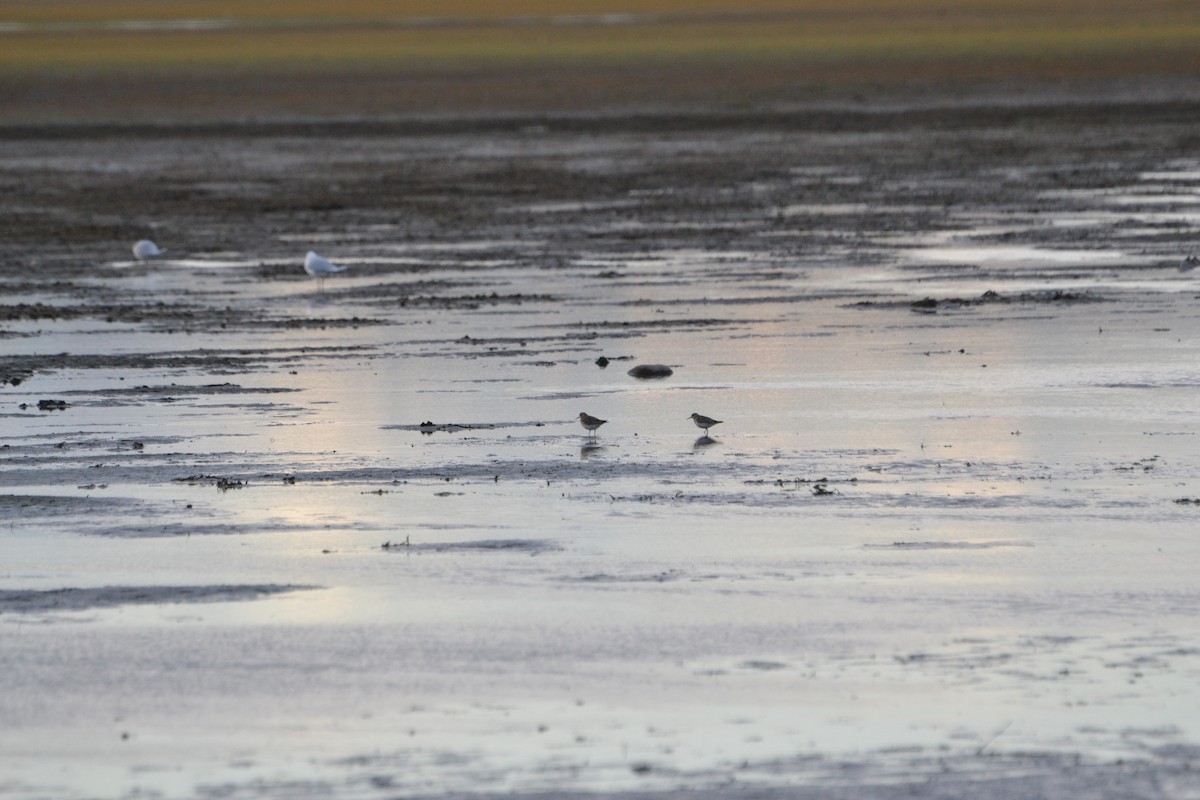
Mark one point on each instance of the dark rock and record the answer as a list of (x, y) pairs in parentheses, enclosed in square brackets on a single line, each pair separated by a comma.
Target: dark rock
[(651, 371)]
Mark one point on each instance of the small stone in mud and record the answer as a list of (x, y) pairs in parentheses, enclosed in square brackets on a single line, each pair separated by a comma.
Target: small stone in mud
[(601, 362), (651, 371), (52, 405)]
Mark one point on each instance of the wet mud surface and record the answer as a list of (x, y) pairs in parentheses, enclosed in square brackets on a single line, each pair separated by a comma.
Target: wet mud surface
[(942, 541)]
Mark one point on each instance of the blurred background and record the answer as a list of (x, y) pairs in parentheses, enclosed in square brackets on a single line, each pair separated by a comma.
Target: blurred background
[(150, 59)]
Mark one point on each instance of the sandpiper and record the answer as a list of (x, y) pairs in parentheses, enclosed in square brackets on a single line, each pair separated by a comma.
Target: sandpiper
[(704, 422), (590, 422)]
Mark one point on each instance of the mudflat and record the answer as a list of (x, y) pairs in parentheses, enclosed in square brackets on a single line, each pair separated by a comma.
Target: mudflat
[(264, 536)]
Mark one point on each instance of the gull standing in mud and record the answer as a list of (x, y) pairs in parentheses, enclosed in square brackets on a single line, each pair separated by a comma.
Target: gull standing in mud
[(589, 422), (704, 422), (144, 249), (319, 267)]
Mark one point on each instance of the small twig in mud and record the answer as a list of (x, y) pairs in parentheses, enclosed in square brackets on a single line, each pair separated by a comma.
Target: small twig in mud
[(1188, 501), (821, 490), (994, 737), (390, 546)]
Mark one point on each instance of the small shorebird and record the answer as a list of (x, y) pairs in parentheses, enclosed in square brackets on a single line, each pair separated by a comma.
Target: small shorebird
[(144, 249), (319, 267), (704, 422), (590, 422)]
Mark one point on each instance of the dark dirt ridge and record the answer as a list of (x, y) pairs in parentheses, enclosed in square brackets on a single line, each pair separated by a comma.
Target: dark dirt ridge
[(223, 186), (812, 119)]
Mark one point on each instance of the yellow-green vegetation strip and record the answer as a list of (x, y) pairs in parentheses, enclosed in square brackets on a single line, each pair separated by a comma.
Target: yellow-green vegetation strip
[(101, 11), (55, 35)]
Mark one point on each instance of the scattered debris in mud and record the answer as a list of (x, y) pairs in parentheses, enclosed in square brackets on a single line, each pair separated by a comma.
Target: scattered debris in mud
[(990, 297), (429, 427), (221, 482), (47, 405), (472, 302), (817, 486), (13, 376)]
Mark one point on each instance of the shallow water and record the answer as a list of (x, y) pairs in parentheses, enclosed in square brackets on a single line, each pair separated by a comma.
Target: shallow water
[(287, 586)]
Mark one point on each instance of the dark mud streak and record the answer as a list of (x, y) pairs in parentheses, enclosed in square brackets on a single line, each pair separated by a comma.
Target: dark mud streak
[(525, 546), (958, 117), (988, 298), (947, 545), (178, 389), (174, 530), (170, 317), (19, 508), (207, 362), (899, 773), (41, 601)]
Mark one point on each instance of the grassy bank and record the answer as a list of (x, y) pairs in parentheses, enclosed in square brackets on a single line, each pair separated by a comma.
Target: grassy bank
[(54, 54)]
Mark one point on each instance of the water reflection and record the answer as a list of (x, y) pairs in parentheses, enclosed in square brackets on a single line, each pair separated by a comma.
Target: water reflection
[(590, 449), (703, 442)]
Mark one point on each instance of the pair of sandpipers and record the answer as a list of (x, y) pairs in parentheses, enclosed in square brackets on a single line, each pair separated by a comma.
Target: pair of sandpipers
[(591, 423)]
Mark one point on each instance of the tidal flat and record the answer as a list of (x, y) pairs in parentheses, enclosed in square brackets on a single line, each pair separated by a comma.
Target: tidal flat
[(262, 538)]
